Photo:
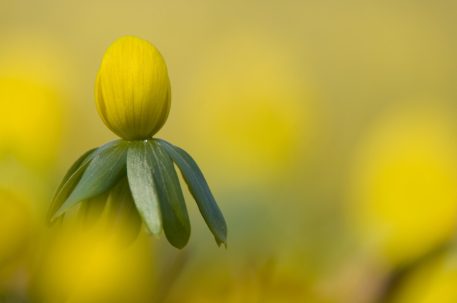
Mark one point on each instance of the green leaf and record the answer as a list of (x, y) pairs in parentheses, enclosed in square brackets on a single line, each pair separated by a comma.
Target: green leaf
[(92, 209), (199, 189), (123, 217), (105, 169), (69, 182), (140, 178), (173, 208)]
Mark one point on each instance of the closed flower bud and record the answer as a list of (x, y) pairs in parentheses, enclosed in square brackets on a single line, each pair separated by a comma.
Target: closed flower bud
[(132, 90)]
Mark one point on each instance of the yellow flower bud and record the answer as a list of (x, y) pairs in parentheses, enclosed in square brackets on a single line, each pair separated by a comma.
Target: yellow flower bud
[(132, 90)]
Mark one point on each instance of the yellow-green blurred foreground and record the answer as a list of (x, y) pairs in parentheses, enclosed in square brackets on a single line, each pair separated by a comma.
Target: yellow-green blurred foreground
[(326, 129)]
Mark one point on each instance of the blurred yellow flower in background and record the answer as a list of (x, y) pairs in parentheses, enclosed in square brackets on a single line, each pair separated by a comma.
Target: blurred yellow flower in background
[(403, 190), (88, 266), (31, 116), (31, 127), (30, 121), (132, 92)]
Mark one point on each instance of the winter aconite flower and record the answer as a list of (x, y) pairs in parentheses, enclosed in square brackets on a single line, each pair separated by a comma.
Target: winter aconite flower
[(133, 99)]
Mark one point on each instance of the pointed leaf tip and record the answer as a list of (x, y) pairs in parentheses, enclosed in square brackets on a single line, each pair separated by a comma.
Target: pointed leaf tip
[(199, 189)]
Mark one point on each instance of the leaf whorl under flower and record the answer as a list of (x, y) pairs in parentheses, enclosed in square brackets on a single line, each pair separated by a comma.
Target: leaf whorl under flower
[(153, 189)]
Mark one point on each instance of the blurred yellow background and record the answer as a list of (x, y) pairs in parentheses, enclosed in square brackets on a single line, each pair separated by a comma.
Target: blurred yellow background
[(326, 130)]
